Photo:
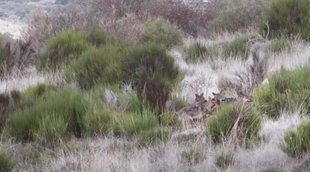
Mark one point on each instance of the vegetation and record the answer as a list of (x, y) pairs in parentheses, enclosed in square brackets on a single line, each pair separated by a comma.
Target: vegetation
[(162, 32), (153, 136), (236, 47), (279, 44), (224, 160), (152, 72), (97, 66), (62, 49), (287, 18), (198, 52), (56, 114), (220, 125), (2, 59), (297, 142), (6, 163), (97, 36), (286, 90), (193, 156)]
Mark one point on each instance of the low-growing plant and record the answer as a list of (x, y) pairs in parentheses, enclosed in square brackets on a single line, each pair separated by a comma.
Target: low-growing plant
[(131, 124), (97, 66), (287, 90), (287, 18), (219, 126), (153, 136), (237, 47), (56, 114), (62, 49), (6, 162), (279, 44), (193, 156), (162, 32), (97, 36), (169, 120), (198, 52), (152, 72), (297, 142), (224, 160)]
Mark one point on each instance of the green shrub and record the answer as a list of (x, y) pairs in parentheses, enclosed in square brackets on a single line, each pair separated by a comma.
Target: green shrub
[(6, 163), (297, 142), (97, 36), (198, 52), (224, 160), (62, 49), (97, 66), (152, 72), (220, 124), (237, 47), (287, 90), (55, 115), (279, 44), (153, 136), (287, 18), (130, 124), (162, 32)]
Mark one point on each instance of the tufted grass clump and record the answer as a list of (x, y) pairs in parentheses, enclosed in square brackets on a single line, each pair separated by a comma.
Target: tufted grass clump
[(236, 47), (63, 49), (297, 142), (220, 125), (224, 160), (287, 90), (162, 32), (153, 136), (279, 44), (6, 162), (97, 66), (287, 18), (199, 52), (54, 115), (132, 124)]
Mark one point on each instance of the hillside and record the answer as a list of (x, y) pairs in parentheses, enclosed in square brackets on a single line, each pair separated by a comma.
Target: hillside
[(142, 85)]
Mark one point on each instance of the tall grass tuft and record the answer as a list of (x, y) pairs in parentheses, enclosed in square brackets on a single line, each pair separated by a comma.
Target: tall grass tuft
[(6, 162), (237, 47)]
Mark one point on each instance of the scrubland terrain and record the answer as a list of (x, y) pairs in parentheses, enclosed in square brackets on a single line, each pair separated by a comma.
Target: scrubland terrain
[(158, 86)]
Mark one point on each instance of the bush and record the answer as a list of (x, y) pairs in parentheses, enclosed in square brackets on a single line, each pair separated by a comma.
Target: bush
[(287, 18), (55, 115), (163, 32), (153, 136), (279, 44), (287, 90), (97, 36), (131, 124), (297, 142), (220, 125), (152, 72), (169, 119), (97, 66), (6, 163), (62, 49), (237, 47)]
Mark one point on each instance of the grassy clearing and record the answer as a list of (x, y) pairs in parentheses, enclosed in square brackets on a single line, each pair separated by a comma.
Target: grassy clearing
[(287, 90), (297, 142)]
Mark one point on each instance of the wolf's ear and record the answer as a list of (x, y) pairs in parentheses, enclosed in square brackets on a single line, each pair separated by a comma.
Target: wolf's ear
[(213, 93), (196, 95), (201, 95)]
